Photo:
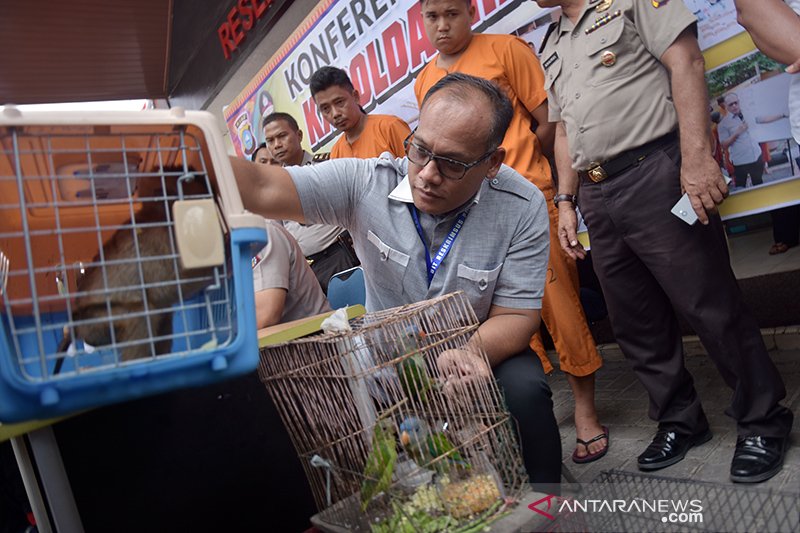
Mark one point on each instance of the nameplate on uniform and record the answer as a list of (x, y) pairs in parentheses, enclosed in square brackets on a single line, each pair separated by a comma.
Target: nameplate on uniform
[(550, 60)]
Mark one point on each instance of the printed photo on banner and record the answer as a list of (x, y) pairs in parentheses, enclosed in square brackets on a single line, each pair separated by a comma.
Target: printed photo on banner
[(749, 109)]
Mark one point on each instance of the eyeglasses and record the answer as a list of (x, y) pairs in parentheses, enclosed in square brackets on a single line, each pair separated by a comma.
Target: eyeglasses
[(448, 168), (735, 102)]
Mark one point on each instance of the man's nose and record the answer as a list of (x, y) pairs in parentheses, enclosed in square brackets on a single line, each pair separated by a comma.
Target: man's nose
[(430, 173)]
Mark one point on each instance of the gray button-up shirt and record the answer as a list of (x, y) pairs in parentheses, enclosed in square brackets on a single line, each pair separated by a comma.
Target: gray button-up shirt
[(312, 238), (498, 258), (604, 78), (744, 150)]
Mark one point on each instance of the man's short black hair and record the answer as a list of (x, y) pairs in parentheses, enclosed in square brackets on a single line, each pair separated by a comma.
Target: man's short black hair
[(255, 152), (272, 117), (327, 77), (464, 88)]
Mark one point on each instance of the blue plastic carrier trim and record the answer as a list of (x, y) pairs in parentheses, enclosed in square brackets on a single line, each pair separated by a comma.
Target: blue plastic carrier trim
[(23, 398)]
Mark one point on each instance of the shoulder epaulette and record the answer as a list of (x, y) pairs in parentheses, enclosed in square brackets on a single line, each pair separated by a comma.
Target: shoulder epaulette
[(319, 158), (550, 29)]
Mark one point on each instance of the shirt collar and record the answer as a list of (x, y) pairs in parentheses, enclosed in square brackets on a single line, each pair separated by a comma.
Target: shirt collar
[(565, 25)]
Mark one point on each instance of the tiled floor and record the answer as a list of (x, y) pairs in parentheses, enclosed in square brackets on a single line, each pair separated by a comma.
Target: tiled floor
[(622, 406), (750, 255)]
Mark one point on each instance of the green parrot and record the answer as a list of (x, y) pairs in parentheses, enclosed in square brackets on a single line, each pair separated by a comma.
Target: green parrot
[(412, 371), (380, 462), (424, 445)]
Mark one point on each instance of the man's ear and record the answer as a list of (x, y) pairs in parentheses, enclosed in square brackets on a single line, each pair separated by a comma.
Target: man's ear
[(357, 96), (300, 135), (495, 160)]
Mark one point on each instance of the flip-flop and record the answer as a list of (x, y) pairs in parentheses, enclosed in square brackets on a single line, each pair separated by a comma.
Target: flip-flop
[(778, 248), (589, 457)]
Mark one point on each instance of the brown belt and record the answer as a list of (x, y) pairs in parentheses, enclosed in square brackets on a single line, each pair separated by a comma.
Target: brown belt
[(602, 171)]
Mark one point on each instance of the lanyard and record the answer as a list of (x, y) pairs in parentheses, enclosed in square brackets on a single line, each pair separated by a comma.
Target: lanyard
[(444, 249)]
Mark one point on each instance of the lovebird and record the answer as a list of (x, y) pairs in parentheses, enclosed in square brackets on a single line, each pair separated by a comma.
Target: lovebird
[(380, 462), (413, 374), (424, 445)]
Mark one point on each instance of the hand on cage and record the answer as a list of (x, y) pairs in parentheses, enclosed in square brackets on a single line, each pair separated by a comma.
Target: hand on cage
[(459, 369)]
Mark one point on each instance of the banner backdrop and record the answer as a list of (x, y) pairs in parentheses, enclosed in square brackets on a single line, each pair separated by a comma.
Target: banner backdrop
[(382, 44)]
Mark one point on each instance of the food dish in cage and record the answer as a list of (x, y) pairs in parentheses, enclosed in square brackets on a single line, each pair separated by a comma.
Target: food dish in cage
[(125, 259)]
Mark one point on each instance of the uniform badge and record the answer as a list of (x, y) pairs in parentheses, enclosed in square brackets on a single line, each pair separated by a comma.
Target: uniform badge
[(254, 261), (602, 21), (608, 58), (602, 6), (319, 158), (659, 3)]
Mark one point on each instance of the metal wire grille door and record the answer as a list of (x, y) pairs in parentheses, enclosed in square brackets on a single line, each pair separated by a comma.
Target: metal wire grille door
[(91, 272)]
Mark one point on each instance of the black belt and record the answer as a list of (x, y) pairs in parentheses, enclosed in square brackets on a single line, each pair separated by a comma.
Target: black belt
[(602, 171), (343, 240)]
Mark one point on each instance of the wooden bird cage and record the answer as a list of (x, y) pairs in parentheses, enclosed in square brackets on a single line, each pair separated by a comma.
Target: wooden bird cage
[(385, 439)]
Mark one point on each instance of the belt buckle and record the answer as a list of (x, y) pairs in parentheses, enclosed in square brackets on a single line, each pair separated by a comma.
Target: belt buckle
[(596, 173)]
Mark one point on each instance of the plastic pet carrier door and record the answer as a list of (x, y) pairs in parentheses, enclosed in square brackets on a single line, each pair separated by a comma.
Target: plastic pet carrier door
[(124, 259)]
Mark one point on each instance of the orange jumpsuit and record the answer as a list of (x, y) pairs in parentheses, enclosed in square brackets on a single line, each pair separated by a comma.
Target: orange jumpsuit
[(509, 62), (382, 133)]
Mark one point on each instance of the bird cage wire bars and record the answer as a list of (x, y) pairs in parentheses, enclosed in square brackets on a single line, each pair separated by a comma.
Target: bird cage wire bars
[(353, 402), (124, 259), (117, 182)]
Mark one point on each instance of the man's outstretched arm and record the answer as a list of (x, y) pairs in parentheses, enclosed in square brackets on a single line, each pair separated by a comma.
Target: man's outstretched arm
[(267, 190)]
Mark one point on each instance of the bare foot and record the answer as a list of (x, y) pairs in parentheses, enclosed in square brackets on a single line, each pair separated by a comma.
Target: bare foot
[(587, 426)]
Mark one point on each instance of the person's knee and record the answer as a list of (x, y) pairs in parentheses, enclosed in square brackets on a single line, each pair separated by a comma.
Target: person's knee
[(524, 383)]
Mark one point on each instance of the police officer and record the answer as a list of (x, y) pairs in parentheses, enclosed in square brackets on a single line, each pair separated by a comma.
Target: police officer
[(623, 77), (328, 249)]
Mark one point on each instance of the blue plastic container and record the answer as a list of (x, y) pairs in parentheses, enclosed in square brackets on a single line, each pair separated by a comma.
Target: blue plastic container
[(112, 223)]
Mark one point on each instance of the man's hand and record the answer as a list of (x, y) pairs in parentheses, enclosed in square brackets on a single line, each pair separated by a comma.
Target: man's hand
[(702, 180), (568, 231), (794, 68), (459, 368), (742, 128)]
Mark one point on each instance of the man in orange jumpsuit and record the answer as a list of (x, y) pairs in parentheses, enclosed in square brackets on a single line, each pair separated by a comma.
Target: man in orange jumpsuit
[(363, 135), (509, 62)]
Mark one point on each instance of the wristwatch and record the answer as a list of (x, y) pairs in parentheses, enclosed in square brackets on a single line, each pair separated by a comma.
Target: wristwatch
[(558, 198)]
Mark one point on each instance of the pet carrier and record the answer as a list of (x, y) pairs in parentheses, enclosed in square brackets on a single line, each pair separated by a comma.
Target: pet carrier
[(124, 259), (388, 443)]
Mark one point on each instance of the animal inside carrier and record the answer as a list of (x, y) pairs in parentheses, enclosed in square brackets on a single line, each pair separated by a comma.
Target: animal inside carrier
[(388, 443), (124, 259)]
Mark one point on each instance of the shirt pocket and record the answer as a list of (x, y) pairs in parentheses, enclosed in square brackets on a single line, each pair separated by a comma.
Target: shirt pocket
[(609, 44), (478, 286), (393, 263)]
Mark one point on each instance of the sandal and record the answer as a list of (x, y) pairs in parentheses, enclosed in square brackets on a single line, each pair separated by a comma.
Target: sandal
[(589, 457), (778, 248)]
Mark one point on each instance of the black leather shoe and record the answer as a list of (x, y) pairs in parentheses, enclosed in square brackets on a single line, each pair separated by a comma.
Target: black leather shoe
[(757, 459), (668, 448)]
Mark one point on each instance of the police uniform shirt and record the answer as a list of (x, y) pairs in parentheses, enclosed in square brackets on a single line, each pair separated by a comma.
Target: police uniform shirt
[(499, 256), (604, 78), (312, 238), (281, 265)]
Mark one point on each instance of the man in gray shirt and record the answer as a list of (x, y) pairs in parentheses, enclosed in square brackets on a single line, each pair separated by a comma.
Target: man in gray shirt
[(447, 217), (744, 151)]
